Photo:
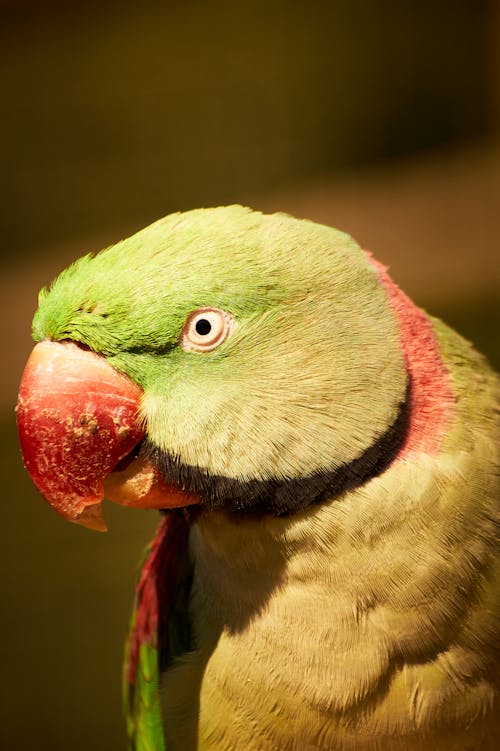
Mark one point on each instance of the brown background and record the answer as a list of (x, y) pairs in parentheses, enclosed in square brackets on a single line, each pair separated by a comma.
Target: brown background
[(379, 117)]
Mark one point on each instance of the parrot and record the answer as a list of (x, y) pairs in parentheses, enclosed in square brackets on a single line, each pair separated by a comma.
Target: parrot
[(323, 457)]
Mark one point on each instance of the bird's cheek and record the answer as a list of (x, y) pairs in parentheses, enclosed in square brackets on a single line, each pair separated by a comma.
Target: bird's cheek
[(78, 426)]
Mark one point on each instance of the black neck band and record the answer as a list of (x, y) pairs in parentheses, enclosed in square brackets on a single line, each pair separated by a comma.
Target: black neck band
[(284, 496)]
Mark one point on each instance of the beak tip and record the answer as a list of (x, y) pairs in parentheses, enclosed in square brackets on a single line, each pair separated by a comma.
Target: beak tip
[(91, 517)]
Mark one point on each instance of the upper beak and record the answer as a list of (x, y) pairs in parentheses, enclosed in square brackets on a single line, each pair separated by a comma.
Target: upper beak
[(78, 418)]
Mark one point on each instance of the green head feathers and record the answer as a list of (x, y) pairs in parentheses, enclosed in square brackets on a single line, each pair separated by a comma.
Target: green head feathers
[(311, 374)]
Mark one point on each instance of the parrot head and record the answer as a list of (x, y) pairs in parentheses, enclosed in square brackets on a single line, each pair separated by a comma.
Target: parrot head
[(219, 358)]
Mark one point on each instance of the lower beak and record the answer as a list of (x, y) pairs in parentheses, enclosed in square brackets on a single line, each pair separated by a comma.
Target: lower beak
[(78, 422)]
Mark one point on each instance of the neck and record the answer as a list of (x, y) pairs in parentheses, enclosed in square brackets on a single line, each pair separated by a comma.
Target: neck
[(283, 497), (431, 398)]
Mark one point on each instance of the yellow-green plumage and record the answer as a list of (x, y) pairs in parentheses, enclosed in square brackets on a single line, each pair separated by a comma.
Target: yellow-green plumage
[(379, 624), (365, 615)]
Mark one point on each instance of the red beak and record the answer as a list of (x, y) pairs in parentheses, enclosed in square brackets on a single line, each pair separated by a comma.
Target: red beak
[(78, 418)]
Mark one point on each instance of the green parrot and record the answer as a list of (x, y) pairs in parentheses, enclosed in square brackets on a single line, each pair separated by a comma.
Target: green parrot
[(324, 456)]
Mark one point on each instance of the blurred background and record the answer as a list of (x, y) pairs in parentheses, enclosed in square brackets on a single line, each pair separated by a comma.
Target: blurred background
[(380, 117)]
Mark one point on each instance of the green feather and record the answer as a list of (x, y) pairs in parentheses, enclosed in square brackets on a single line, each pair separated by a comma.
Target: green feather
[(141, 697), (304, 298), (369, 621)]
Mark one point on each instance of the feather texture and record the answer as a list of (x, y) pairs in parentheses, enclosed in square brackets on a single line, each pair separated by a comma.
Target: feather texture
[(338, 585)]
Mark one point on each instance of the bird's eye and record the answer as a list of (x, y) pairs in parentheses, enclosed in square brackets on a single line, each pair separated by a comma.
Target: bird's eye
[(205, 329)]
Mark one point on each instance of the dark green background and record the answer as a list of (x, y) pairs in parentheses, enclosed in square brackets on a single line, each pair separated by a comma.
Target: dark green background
[(116, 113)]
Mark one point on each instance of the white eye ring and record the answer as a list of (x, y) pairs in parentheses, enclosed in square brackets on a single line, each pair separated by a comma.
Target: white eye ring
[(205, 329)]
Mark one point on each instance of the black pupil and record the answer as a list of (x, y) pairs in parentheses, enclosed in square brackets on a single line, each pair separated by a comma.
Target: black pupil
[(203, 327)]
